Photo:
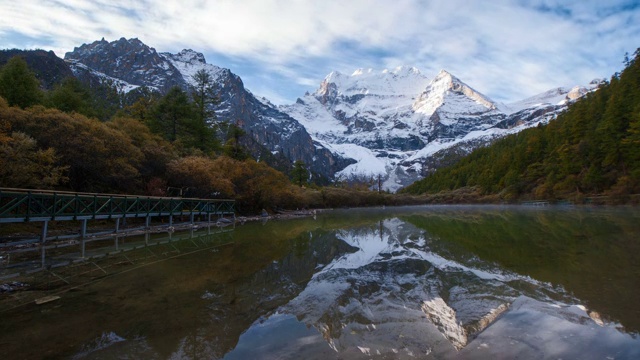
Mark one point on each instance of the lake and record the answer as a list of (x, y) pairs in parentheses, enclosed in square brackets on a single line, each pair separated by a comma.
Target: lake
[(441, 282)]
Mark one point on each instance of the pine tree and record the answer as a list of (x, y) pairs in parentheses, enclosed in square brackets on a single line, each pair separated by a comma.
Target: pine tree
[(18, 84), (300, 174), (71, 96), (173, 115), (232, 147), (203, 95)]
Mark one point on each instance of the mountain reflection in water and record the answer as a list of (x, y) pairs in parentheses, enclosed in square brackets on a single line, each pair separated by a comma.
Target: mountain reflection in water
[(421, 282)]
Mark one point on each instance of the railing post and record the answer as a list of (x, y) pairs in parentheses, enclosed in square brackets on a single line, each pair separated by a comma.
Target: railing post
[(28, 205), (53, 208), (83, 230), (43, 235), (124, 212), (75, 207), (43, 239)]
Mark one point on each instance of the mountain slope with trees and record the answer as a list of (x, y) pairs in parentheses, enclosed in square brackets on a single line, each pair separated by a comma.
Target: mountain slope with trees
[(593, 148), (159, 145)]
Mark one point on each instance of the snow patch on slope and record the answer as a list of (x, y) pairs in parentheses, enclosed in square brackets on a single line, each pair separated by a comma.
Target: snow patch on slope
[(367, 163), (189, 62), (122, 86)]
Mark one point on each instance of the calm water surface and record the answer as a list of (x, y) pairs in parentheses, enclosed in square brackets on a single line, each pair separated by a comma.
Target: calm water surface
[(397, 283)]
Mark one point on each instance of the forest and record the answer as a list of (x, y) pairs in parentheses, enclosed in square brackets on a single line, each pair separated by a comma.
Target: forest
[(591, 149), (93, 139)]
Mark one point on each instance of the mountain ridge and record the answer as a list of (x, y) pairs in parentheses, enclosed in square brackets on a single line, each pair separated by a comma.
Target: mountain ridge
[(392, 134), (590, 149), (271, 133), (385, 125)]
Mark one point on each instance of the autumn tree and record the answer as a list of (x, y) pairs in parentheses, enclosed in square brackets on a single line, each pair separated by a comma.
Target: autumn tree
[(24, 165), (201, 175), (156, 151), (98, 157)]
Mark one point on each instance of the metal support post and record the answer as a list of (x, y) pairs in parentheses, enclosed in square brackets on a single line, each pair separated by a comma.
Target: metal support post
[(117, 225), (83, 231), (43, 238)]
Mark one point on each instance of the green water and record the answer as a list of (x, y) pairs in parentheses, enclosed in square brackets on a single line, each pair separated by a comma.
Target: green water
[(417, 282)]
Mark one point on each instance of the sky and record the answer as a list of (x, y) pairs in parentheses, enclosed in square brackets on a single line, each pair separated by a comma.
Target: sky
[(505, 49)]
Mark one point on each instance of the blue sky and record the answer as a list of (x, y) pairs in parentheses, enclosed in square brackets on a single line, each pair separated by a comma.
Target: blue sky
[(506, 49)]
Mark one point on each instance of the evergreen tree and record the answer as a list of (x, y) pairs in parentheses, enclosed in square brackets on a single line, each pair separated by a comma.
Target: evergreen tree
[(173, 116), (592, 148), (232, 147), (143, 106), (204, 97), (300, 174), (18, 84), (71, 96), (106, 99)]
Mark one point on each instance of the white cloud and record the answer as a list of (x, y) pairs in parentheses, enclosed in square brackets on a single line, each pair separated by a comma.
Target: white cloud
[(506, 49)]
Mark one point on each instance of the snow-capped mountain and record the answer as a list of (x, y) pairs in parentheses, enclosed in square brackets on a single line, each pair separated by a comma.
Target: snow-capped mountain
[(398, 124), (130, 64), (393, 125)]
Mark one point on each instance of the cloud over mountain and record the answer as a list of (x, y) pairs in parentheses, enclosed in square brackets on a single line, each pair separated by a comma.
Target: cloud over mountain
[(278, 46)]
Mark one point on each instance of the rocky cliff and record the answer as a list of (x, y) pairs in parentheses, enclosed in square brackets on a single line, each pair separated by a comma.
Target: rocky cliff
[(49, 68), (131, 64)]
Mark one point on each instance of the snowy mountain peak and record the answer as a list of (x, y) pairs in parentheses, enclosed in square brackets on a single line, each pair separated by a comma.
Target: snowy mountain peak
[(129, 60), (445, 80), (188, 62), (444, 74), (447, 93), (403, 80), (362, 71), (405, 71), (559, 96), (188, 56), (334, 76)]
